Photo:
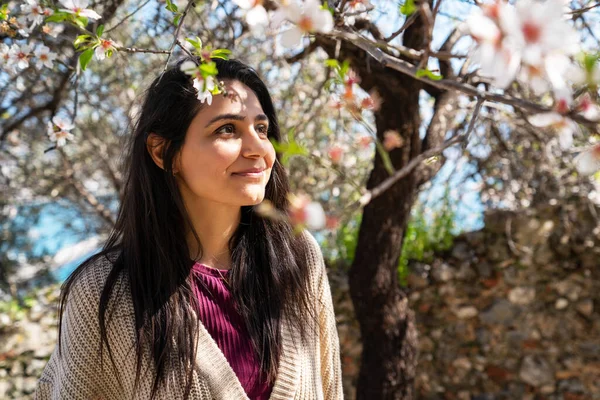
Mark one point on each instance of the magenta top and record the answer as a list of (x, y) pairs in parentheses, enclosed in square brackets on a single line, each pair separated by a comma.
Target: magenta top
[(224, 323)]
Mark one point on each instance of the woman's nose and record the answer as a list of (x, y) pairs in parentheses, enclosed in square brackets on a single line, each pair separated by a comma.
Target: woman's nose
[(254, 144)]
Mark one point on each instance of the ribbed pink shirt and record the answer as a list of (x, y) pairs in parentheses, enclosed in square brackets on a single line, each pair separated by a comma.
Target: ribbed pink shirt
[(224, 323)]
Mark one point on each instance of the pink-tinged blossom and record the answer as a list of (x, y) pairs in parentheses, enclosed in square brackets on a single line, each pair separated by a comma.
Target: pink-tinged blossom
[(531, 40), (364, 141), (305, 212), (589, 109), (104, 47), (20, 55), (78, 8), (53, 31), (588, 161), (58, 131), (357, 7), (564, 126), (539, 29), (44, 57), (308, 17), (371, 102), (335, 153), (495, 53), (35, 12), (335, 102), (392, 140), (5, 55), (256, 16)]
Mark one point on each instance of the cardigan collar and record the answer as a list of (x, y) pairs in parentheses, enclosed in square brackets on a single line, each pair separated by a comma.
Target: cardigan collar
[(214, 367)]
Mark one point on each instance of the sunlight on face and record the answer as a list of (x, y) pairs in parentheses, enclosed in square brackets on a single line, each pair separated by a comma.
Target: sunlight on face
[(224, 140)]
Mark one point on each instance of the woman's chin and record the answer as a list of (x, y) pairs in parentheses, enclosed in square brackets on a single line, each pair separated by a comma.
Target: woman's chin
[(252, 199)]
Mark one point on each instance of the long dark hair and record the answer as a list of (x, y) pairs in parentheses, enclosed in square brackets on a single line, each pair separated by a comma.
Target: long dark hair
[(269, 274)]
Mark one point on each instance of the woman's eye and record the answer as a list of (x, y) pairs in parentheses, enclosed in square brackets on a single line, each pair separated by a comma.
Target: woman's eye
[(263, 129), (226, 129)]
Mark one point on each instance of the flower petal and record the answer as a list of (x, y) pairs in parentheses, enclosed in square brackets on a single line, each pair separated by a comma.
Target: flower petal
[(292, 37), (588, 162), (544, 120)]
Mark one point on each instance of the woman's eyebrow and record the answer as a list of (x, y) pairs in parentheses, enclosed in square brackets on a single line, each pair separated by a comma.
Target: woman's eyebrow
[(236, 117)]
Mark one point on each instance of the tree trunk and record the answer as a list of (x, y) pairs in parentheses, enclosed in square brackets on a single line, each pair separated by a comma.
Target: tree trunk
[(387, 325)]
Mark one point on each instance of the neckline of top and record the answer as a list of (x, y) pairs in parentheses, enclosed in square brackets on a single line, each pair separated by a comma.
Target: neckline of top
[(206, 270)]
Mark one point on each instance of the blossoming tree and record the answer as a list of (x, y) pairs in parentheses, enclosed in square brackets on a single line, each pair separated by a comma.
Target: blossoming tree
[(527, 58)]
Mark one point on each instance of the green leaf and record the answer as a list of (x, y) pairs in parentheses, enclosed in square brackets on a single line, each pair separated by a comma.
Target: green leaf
[(408, 7), (589, 60), (80, 21), (344, 69), (100, 30), (171, 7), (385, 157), (197, 43), (176, 19), (57, 17), (86, 57), (4, 12), (220, 53), (332, 62), (425, 72), (80, 40), (209, 69), (326, 7)]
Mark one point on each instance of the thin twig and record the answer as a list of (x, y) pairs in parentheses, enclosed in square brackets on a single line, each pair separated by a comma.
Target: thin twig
[(136, 50), (408, 22), (128, 16), (185, 11), (580, 11), (408, 168)]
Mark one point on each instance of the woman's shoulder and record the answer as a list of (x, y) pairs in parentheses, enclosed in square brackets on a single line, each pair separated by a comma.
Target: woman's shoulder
[(88, 282), (314, 256)]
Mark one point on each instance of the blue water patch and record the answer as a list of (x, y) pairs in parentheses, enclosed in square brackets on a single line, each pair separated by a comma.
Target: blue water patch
[(65, 270)]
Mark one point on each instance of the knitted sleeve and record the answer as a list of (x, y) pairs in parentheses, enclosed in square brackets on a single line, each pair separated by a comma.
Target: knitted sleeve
[(75, 373), (331, 369)]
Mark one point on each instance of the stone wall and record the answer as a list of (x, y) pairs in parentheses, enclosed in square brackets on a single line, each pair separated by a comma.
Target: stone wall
[(26, 344), (510, 312)]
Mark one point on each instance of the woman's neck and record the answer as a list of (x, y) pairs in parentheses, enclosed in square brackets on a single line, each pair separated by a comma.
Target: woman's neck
[(215, 224)]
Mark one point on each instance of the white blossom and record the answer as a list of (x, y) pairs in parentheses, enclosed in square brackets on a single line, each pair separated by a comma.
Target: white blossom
[(78, 7), (308, 18), (204, 88), (589, 109), (531, 40), (20, 55), (496, 54), (53, 30), (5, 55), (588, 161), (35, 12), (44, 57), (58, 131), (565, 127)]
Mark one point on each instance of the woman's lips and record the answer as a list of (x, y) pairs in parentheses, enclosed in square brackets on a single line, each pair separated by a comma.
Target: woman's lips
[(249, 174)]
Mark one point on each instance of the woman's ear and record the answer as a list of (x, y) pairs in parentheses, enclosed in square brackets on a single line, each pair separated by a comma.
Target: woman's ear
[(155, 144)]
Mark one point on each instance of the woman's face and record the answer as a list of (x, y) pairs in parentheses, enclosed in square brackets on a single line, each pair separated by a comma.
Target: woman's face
[(225, 139)]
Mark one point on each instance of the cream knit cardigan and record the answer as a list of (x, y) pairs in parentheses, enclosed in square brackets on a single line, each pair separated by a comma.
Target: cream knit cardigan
[(305, 372)]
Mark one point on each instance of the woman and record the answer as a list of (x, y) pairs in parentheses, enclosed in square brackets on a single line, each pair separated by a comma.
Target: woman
[(195, 295)]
